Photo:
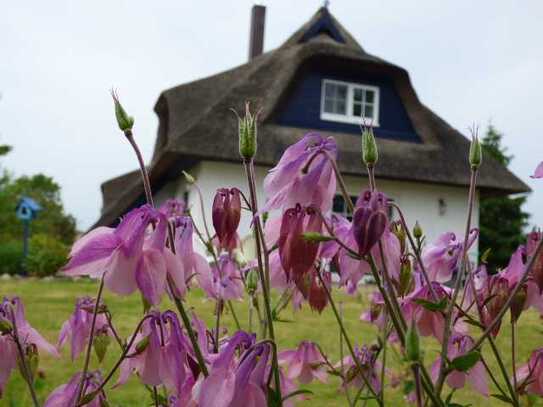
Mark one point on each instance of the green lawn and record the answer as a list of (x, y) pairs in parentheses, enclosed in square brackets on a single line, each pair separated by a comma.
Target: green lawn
[(49, 304)]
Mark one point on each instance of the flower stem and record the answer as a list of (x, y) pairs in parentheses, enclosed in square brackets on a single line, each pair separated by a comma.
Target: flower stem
[(513, 352), (26, 373), (144, 174), (234, 316), (91, 339), (263, 266), (458, 282)]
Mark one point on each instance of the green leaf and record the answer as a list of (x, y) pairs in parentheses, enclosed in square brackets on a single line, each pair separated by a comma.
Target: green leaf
[(433, 306), (296, 393), (465, 362)]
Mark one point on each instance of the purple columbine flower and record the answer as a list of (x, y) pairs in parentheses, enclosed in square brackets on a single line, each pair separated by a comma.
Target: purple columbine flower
[(78, 327), (369, 220), (530, 375), (173, 208), (66, 395), (222, 280), (534, 238), (459, 345), (292, 181), (226, 214), (304, 363), (538, 173), (371, 368), (12, 309)]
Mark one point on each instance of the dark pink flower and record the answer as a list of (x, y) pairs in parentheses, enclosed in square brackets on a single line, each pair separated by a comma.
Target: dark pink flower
[(77, 329), (291, 181), (530, 375), (226, 214), (305, 363), (66, 394), (296, 253), (369, 220), (538, 173), (459, 345)]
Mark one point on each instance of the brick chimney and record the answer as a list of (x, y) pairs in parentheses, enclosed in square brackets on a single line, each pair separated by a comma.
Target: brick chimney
[(256, 33)]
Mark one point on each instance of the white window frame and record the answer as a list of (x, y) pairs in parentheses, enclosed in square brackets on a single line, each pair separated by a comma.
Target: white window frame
[(349, 117)]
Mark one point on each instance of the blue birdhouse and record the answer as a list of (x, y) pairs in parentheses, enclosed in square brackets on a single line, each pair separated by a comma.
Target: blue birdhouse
[(27, 209)]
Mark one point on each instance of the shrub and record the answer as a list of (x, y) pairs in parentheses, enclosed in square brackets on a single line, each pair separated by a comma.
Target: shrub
[(11, 254), (46, 255)]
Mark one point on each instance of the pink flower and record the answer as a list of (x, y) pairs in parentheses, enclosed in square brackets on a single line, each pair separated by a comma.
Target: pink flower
[(290, 182), (226, 214), (530, 375), (77, 329), (442, 257), (297, 254), (534, 238), (172, 208), (222, 280), (128, 257), (305, 363), (159, 353), (538, 173), (12, 314), (371, 367), (66, 394), (459, 345), (369, 220)]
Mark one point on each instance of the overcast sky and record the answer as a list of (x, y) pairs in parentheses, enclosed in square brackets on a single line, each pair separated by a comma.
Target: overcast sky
[(470, 61)]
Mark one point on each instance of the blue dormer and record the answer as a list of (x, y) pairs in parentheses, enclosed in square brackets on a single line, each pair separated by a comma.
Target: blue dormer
[(337, 95), (27, 208)]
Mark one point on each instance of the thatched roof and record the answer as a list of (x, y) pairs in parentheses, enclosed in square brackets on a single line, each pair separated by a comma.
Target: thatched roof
[(196, 123)]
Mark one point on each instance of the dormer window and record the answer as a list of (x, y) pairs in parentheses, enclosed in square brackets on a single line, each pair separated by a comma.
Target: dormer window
[(350, 102)]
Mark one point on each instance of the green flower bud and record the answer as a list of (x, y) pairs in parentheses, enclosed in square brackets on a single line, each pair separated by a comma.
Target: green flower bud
[(252, 281), (315, 237), (517, 305), (124, 121), (399, 232), (475, 153), (417, 230), (405, 277), (370, 154), (412, 343), (247, 134), (100, 344), (189, 178)]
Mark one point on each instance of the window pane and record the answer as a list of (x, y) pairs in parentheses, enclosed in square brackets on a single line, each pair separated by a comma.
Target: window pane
[(358, 95), (329, 105), (341, 91), (338, 205), (368, 111), (357, 110), (329, 90), (341, 107), (370, 94)]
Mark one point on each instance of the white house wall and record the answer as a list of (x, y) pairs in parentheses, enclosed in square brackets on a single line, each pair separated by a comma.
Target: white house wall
[(418, 201)]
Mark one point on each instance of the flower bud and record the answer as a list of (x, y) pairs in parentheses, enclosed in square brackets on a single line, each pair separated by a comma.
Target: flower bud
[(247, 134), (417, 230), (517, 304), (189, 178), (100, 344), (370, 154), (226, 215), (124, 121), (405, 277), (412, 343), (399, 232), (369, 220), (251, 281), (475, 153)]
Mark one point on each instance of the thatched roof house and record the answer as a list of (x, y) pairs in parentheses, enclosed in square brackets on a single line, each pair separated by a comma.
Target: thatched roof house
[(320, 79)]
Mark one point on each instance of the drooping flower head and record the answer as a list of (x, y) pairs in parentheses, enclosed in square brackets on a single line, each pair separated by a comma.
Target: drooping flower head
[(530, 375), (226, 214), (369, 220), (354, 377), (13, 324), (66, 394), (304, 363), (293, 181), (77, 328), (222, 280), (534, 239), (296, 253), (459, 345), (173, 208)]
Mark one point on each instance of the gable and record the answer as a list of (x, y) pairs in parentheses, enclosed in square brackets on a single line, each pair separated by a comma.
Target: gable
[(301, 105), (323, 25)]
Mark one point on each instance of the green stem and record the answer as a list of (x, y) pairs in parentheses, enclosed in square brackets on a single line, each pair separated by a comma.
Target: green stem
[(234, 316)]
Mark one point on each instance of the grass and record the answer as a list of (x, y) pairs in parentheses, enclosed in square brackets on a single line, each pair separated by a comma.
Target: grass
[(49, 304)]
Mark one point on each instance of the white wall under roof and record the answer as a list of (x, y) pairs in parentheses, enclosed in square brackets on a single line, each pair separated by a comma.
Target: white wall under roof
[(419, 201)]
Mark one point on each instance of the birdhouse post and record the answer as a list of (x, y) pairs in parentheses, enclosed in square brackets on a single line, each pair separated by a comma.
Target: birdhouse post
[(26, 210)]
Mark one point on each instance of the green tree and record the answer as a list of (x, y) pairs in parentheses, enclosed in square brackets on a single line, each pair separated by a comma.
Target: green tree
[(502, 220)]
